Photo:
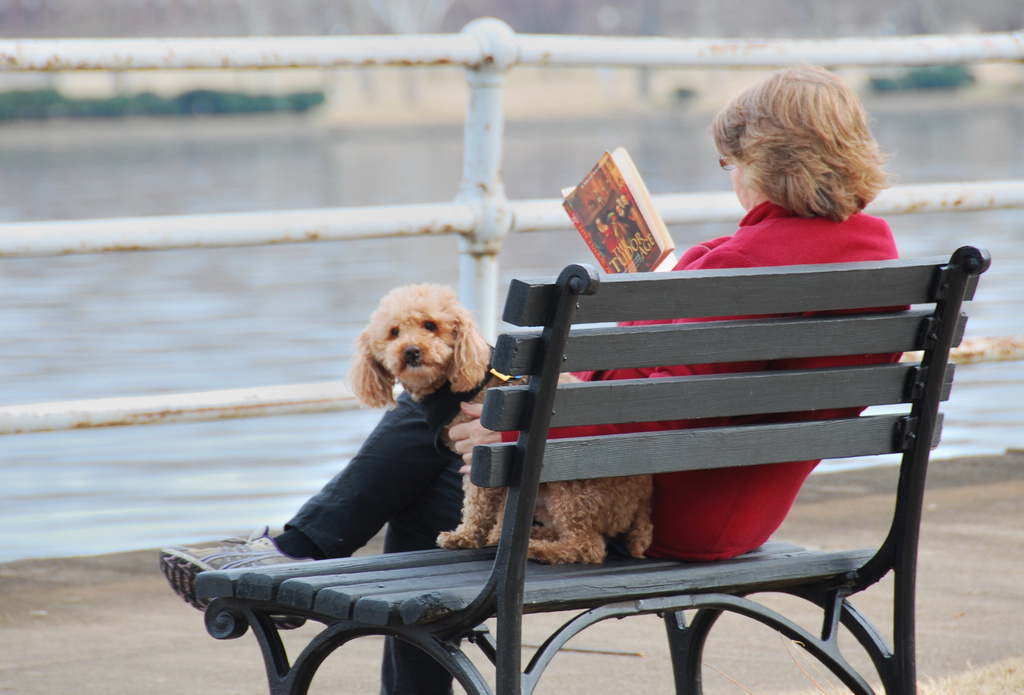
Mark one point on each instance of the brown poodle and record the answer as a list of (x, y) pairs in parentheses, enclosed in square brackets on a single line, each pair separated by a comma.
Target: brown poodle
[(422, 337)]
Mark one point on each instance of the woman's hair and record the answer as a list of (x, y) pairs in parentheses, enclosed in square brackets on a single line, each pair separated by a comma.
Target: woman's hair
[(802, 138)]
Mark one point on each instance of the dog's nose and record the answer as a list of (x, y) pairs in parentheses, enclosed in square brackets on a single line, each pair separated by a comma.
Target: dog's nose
[(412, 355)]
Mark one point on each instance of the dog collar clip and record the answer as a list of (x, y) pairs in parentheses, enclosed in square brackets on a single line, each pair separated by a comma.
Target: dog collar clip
[(504, 377)]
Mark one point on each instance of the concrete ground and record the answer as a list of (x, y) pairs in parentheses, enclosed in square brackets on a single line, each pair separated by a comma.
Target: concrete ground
[(110, 625)]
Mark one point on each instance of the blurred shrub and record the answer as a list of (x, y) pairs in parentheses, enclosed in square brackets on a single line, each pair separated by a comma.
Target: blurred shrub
[(49, 103), (932, 77)]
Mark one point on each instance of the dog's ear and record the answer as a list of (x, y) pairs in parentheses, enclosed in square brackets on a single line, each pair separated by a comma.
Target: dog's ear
[(472, 354), (370, 383)]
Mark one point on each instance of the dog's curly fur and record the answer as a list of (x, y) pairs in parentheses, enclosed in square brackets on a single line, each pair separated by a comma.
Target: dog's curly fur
[(421, 336)]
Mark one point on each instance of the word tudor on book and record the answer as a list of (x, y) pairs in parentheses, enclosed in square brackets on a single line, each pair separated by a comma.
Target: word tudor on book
[(612, 210)]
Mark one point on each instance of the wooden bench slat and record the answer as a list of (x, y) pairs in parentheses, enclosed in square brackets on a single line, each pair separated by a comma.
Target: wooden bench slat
[(302, 593), (386, 608), (710, 342), (359, 600), (698, 449), (413, 609), (717, 395), (261, 583), (735, 292), (767, 572)]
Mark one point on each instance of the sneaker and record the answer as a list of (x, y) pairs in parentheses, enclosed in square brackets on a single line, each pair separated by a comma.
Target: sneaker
[(181, 563)]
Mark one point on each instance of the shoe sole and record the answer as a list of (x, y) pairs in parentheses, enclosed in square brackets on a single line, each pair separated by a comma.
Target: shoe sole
[(181, 575)]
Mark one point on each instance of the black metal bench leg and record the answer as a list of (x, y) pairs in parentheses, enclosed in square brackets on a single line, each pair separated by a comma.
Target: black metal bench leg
[(686, 647), (687, 641), (226, 619), (896, 677), (450, 655), (895, 667)]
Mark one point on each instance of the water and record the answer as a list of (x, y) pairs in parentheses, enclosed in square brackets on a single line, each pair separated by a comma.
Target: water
[(165, 322)]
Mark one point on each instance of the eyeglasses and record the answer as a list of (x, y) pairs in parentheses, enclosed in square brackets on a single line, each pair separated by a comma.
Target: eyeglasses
[(725, 165)]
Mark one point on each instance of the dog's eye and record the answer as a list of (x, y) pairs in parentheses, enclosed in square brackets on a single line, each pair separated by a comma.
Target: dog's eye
[(430, 326), (393, 332)]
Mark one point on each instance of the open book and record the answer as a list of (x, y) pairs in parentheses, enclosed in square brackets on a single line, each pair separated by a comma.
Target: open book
[(613, 212)]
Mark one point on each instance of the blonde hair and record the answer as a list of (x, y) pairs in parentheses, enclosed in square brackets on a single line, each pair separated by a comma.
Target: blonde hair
[(802, 138)]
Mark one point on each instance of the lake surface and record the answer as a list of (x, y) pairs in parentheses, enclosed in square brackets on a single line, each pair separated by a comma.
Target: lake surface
[(98, 326)]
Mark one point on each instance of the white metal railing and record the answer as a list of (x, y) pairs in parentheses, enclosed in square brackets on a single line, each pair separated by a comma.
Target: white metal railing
[(59, 238), (227, 404), (481, 214), (491, 42)]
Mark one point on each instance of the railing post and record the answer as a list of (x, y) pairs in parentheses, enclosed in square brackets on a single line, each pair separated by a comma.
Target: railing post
[(481, 187)]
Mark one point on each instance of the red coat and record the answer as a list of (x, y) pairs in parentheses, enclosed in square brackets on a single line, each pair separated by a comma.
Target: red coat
[(721, 513)]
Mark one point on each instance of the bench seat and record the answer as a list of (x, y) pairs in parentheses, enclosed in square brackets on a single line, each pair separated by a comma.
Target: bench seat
[(360, 591)]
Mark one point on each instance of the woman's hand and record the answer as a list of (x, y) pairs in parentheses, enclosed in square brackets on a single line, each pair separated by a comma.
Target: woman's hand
[(468, 434)]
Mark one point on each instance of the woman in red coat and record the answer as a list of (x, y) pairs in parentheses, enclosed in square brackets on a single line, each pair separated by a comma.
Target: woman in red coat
[(804, 165)]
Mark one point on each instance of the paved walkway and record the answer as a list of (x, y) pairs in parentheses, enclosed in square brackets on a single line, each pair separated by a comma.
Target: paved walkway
[(109, 625)]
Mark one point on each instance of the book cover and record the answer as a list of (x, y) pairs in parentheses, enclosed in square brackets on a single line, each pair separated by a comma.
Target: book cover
[(612, 211)]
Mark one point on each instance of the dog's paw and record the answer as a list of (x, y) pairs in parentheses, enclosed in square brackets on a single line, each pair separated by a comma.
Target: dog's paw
[(494, 535), (460, 539), (639, 539), (568, 551)]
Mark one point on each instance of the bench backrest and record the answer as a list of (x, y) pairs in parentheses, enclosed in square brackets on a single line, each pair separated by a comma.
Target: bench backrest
[(809, 311)]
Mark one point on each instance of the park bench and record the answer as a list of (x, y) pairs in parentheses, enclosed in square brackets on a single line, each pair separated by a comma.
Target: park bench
[(440, 599)]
